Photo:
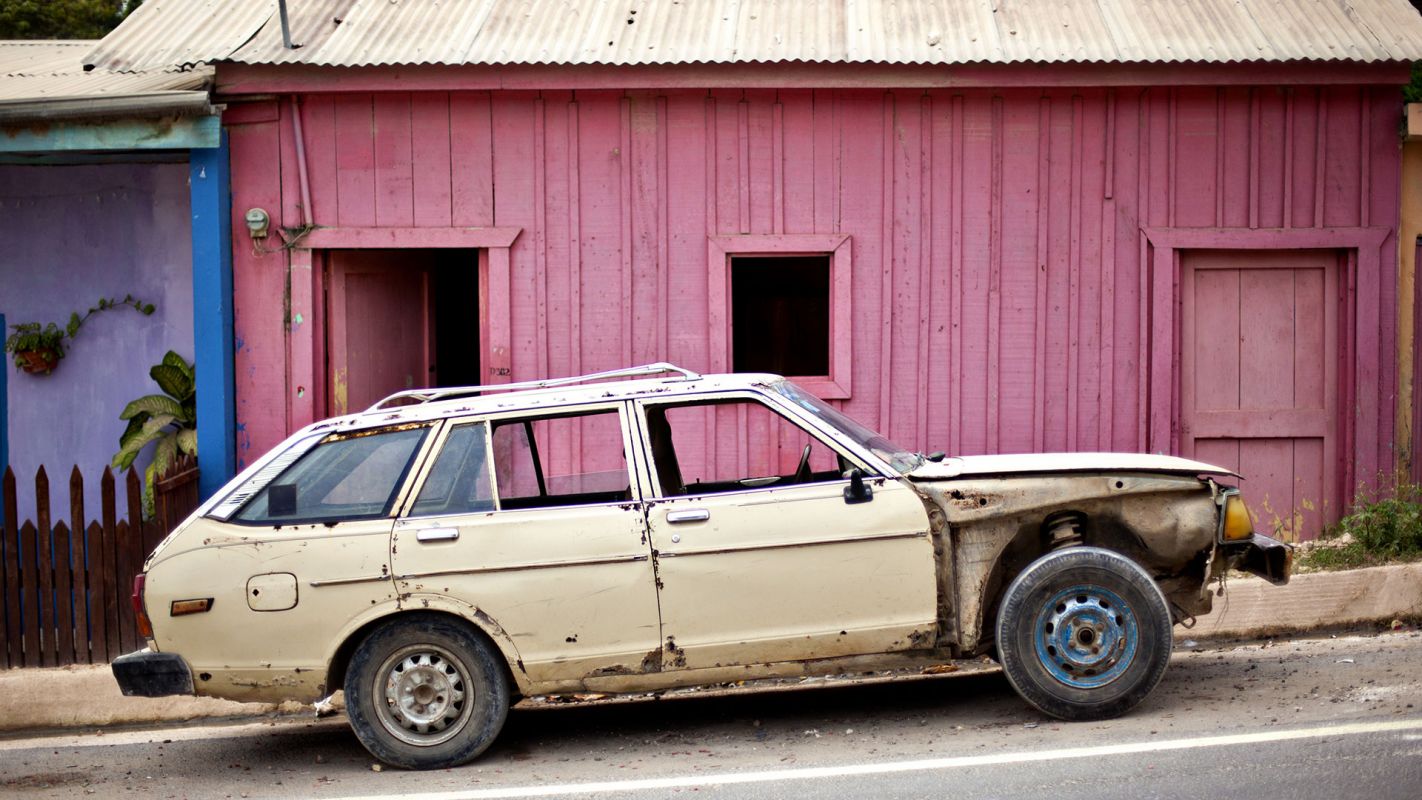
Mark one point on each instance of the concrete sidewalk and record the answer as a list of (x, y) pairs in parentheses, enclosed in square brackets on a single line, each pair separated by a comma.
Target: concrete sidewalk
[(35, 700)]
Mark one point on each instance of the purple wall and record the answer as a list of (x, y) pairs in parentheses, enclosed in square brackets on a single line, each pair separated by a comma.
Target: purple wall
[(72, 234)]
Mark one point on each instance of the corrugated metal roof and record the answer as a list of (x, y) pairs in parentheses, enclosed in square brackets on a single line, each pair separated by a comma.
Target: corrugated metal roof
[(177, 33), (628, 32), (51, 70)]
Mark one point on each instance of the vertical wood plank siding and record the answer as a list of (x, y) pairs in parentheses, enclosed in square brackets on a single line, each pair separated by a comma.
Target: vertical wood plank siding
[(1003, 288)]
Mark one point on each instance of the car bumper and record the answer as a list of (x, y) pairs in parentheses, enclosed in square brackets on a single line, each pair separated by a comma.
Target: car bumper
[(1268, 558), (149, 674)]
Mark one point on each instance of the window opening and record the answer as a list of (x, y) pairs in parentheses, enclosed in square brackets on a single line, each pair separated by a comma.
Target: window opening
[(780, 314), (771, 452), (565, 460)]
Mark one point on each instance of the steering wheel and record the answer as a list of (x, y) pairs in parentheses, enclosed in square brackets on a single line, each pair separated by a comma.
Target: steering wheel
[(802, 472)]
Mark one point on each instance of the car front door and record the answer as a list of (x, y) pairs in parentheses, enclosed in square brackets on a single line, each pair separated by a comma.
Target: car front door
[(534, 520), (760, 555)]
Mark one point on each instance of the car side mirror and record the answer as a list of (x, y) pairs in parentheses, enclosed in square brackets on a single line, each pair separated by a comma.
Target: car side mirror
[(857, 491)]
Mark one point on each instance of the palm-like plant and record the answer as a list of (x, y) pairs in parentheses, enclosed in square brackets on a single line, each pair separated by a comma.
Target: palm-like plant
[(168, 421)]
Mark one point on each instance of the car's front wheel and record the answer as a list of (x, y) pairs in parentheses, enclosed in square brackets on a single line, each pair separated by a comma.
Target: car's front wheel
[(1084, 633), (426, 693)]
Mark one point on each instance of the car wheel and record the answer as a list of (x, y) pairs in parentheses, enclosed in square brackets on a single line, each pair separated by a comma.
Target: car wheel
[(1084, 633), (426, 693)]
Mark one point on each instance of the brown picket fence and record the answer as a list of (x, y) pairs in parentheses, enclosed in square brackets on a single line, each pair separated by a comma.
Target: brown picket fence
[(65, 585)]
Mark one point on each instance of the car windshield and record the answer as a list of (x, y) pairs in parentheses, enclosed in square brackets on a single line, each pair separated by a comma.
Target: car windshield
[(899, 458)]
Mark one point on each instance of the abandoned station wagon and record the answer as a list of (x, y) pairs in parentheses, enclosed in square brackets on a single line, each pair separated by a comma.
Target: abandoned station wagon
[(450, 550)]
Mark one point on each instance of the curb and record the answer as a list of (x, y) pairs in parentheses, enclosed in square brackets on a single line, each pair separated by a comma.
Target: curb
[(1254, 607), (85, 696), (88, 697)]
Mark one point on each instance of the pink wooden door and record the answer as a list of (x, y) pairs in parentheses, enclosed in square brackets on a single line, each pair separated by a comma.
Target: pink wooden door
[(1259, 361), (379, 335)]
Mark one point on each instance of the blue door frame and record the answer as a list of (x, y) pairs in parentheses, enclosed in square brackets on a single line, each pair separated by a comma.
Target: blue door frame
[(211, 201), (4, 413)]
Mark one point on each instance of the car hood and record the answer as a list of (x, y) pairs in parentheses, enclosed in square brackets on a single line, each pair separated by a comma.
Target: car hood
[(960, 466)]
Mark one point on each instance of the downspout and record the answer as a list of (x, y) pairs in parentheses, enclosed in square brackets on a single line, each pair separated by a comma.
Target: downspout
[(302, 174)]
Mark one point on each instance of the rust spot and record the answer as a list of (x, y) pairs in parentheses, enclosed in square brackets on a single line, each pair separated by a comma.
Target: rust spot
[(652, 662), (971, 500), (920, 640), (615, 669), (678, 659), (572, 639)]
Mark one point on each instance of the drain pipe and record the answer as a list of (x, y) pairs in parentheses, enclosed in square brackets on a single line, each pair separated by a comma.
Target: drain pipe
[(305, 178), (285, 26)]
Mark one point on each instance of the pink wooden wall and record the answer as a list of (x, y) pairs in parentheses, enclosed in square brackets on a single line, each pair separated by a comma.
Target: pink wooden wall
[(1007, 295)]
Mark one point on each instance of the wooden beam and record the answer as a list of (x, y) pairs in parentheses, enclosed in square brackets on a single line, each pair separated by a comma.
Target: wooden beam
[(183, 133), (365, 238)]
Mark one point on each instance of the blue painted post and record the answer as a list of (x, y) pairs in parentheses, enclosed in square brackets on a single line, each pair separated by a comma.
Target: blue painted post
[(4, 412), (211, 199)]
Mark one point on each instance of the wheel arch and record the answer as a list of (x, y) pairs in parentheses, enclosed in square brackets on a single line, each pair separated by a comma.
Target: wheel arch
[(472, 618)]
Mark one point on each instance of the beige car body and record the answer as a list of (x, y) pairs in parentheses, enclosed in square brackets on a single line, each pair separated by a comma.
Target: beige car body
[(624, 597)]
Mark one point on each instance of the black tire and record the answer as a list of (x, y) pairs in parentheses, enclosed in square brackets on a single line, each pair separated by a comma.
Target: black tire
[(426, 693), (1084, 633)]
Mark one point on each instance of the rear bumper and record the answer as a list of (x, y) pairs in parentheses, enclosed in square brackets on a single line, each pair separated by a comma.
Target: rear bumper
[(1268, 558), (149, 674)]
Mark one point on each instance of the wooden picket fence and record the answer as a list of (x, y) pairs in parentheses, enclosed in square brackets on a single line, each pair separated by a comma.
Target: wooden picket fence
[(65, 587)]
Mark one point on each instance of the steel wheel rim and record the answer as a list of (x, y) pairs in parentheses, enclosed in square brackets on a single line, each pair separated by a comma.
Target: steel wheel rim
[(1086, 636), (423, 695)]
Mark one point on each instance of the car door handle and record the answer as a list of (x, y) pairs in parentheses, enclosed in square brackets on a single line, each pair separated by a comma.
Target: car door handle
[(688, 515), (437, 534)]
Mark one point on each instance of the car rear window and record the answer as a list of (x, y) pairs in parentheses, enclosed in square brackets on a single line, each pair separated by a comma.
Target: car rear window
[(345, 477)]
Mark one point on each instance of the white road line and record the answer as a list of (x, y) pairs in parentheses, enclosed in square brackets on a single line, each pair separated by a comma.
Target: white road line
[(923, 765)]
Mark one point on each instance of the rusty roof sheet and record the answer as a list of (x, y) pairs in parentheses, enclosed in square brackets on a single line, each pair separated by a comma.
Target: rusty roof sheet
[(630, 32), (52, 70)]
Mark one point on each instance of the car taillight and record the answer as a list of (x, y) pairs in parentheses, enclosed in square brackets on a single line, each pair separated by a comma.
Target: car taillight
[(145, 628)]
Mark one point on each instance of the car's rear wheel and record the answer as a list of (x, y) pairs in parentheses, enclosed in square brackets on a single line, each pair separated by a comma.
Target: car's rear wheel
[(1084, 633), (426, 693)]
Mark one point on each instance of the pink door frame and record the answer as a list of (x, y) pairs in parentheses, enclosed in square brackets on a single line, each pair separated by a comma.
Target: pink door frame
[(307, 338), (1161, 252)]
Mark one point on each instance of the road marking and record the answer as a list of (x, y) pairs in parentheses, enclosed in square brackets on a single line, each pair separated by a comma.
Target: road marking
[(922, 765)]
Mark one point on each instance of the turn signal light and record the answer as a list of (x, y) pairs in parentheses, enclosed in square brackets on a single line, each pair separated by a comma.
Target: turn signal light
[(197, 606), (1236, 519)]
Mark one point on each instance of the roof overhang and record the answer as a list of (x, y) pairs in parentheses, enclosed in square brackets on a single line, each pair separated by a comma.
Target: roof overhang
[(83, 136), (249, 79)]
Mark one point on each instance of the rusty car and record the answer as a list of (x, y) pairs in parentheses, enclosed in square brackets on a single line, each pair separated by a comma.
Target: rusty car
[(449, 551)]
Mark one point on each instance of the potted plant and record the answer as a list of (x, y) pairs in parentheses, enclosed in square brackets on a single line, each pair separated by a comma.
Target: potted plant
[(37, 348)]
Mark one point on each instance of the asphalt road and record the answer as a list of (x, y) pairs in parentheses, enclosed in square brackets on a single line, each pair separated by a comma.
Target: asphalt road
[(1306, 718)]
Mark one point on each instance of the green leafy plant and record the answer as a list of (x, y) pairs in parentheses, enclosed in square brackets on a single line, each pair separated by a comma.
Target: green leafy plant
[(38, 348), (167, 421), (1383, 527)]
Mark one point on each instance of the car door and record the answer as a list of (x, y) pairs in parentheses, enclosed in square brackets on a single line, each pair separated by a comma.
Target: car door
[(534, 520), (761, 557)]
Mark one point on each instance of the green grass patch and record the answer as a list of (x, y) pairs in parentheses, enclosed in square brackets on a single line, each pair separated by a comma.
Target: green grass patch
[(1381, 529)]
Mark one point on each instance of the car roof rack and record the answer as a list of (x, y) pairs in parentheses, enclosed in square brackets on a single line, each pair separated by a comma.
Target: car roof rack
[(419, 396)]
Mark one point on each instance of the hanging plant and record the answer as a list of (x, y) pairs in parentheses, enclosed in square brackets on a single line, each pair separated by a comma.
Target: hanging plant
[(37, 349)]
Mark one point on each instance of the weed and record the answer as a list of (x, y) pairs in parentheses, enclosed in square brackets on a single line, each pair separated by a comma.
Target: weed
[(1382, 528)]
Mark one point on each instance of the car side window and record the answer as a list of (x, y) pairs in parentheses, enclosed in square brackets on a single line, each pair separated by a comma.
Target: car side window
[(565, 460), (459, 482), (347, 476), (754, 447)]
